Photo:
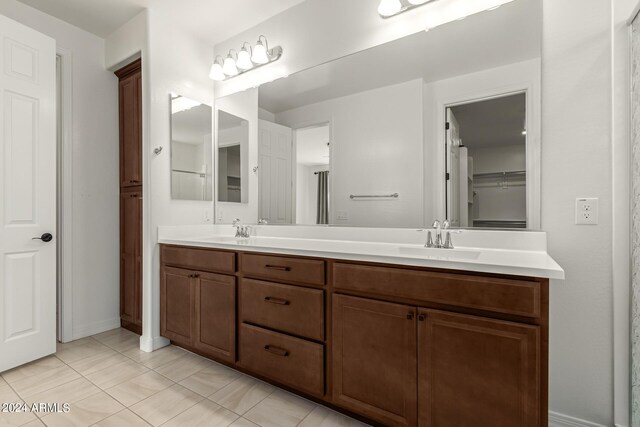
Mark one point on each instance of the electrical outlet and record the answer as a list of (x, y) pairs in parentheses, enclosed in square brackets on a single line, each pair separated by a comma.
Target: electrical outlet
[(342, 216), (586, 211)]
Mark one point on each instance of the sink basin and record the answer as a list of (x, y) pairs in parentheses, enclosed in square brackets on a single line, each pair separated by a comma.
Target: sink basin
[(224, 239), (444, 254)]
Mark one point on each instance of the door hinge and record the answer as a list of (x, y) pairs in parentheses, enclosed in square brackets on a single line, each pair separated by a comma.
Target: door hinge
[(447, 176), (447, 126)]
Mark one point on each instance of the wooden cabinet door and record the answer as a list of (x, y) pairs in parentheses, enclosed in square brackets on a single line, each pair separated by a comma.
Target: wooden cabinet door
[(216, 315), (477, 372), (130, 100), (374, 359), (177, 305), (130, 260)]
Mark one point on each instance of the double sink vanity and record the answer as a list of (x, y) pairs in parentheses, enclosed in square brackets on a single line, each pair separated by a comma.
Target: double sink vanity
[(389, 331)]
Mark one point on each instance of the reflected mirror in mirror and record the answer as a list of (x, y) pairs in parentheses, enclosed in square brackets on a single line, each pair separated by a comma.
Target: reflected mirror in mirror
[(191, 145), (233, 138), (391, 161)]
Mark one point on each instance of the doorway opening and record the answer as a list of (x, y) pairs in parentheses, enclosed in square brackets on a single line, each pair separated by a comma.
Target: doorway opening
[(486, 162), (313, 163)]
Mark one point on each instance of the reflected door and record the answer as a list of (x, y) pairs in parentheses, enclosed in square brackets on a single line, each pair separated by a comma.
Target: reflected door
[(274, 173), (27, 194)]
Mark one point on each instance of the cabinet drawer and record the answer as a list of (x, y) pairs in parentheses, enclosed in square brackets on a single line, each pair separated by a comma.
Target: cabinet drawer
[(199, 259), (509, 296), (292, 309), (292, 270), (290, 361)]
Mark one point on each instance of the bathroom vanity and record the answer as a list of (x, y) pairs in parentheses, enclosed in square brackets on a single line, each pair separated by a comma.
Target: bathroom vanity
[(394, 340)]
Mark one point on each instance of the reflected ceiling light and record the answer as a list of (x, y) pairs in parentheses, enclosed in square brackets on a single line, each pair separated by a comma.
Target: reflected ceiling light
[(216, 72), (229, 67), (244, 58), (389, 8), (180, 103), (248, 59)]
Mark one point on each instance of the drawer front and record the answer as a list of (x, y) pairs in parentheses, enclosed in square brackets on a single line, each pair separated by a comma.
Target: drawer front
[(290, 270), (199, 259), (509, 296), (292, 309), (290, 361)]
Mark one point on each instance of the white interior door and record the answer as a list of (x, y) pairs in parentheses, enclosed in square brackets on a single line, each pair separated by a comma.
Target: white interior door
[(27, 194), (274, 173), (453, 169)]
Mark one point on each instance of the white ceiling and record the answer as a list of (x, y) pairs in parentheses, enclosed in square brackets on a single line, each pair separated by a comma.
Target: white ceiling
[(509, 34), (494, 122), (212, 21), (312, 147)]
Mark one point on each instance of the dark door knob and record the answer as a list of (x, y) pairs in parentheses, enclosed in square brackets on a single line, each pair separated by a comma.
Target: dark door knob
[(46, 237)]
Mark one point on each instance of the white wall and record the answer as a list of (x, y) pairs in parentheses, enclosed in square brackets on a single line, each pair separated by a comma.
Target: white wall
[(94, 168), (172, 61), (576, 162), (376, 148)]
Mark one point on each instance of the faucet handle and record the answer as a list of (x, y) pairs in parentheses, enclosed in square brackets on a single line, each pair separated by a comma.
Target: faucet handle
[(236, 221), (436, 224), (446, 224), (447, 241)]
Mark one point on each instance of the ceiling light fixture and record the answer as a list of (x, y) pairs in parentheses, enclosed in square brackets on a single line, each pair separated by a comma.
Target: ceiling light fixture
[(247, 59), (389, 8)]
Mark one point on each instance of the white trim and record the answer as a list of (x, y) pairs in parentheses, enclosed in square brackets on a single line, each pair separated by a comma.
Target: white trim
[(149, 345), (95, 328), (621, 210), (66, 211), (561, 420)]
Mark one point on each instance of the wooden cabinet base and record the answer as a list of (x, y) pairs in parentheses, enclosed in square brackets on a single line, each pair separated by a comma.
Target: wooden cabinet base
[(136, 329), (390, 345)]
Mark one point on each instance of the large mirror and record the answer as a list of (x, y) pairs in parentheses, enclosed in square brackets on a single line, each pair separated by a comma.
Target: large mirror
[(191, 144), (430, 126)]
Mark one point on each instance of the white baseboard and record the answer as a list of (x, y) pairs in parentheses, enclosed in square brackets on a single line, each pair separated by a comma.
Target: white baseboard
[(561, 420), (83, 331), (150, 344)]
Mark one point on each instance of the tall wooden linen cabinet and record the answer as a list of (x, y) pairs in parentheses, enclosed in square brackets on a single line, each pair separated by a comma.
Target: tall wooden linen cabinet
[(130, 107)]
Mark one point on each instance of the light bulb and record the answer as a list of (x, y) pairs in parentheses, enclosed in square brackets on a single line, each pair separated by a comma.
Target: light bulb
[(216, 72), (389, 7), (229, 67), (417, 2), (260, 54), (244, 60)]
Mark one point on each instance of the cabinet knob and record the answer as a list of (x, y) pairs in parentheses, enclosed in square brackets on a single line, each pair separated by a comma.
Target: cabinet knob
[(422, 317), (410, 316)]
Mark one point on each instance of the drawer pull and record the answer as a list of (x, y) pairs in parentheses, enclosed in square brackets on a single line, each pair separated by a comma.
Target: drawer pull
[(277, 267), (276, 350), (278, 301)]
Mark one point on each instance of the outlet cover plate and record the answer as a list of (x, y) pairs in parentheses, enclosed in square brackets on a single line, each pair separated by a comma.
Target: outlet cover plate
[(587, 211)]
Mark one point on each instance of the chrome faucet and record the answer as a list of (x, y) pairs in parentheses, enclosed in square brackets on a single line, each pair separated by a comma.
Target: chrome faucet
[(242, 231), (438, 230)]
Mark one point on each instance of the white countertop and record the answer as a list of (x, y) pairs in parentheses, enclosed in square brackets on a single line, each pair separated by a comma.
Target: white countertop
[(526, 257)]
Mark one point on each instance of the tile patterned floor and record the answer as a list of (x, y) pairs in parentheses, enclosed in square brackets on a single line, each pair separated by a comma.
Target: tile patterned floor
[(109, 382)]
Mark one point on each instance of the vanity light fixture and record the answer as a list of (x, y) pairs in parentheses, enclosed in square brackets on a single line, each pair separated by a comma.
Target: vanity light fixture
[(247, 59), (244, 58), (229, 67), (389, 8)]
